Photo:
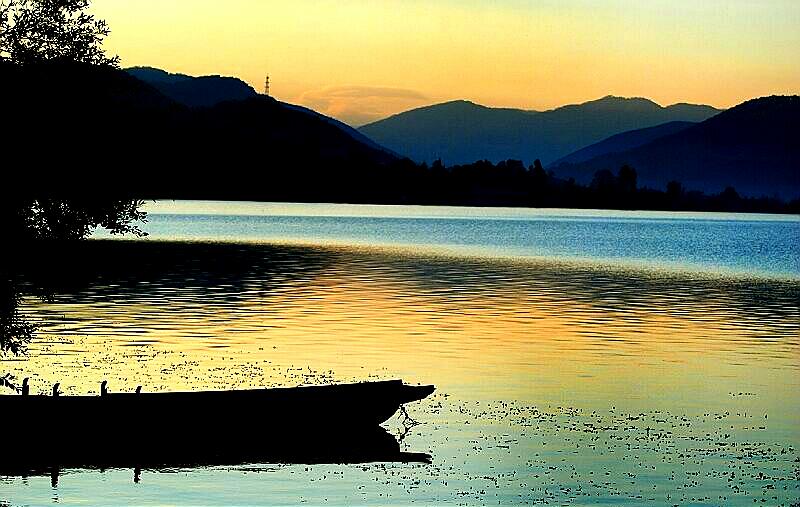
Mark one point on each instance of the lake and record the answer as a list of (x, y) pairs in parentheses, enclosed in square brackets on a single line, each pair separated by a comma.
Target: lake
[(581, 357)]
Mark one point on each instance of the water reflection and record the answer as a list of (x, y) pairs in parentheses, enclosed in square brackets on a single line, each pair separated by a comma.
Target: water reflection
[(156, 452), (555, 379), (351, 310)]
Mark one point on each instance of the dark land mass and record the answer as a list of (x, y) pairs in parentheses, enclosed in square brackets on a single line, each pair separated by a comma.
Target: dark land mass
[(461, 132), (207, 91), (622, 142), (82, 129), (754, 147), (193, 91), (79, 131)]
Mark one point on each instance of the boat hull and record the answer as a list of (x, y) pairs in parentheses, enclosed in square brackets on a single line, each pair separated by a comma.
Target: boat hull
[(315, 424)]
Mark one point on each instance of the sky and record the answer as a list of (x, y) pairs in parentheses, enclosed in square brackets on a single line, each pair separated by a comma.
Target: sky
[(362, 60)]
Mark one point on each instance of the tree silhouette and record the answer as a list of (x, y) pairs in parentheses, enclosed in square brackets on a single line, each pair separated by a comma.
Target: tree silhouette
[(603, 181), (626, 179), (35, 31), (29, 224), (539, 179), (63, 219), (15, 332), (674, 189)]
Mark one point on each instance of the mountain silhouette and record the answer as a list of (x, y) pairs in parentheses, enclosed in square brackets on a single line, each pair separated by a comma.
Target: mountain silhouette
[(206, 91), (354, 133), (77, 128), (623, 141), (75, 131), (754, 147), (203, 91), (461, 132)]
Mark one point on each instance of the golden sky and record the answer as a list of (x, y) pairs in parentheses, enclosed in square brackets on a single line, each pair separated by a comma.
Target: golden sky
[(361, 60)]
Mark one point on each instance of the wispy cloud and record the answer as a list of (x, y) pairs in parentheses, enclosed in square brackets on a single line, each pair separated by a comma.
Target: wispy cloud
[(358, 105)]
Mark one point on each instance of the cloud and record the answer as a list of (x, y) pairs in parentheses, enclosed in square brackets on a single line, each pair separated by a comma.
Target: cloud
[(358, 105)]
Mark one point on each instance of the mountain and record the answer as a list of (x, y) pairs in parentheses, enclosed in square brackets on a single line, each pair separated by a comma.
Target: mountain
[(461, 132), (354, 133), (203, 91), (207, 91), (754, 147), (623, 141), (79, 129)]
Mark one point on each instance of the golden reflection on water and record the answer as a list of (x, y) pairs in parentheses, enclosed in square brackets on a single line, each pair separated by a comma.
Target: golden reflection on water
[(557, 382), (206, 316)]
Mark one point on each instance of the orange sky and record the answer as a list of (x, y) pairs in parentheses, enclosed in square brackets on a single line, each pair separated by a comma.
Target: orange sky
[(363, 60)]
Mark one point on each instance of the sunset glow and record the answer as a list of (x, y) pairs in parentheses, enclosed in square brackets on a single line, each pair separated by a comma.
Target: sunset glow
[(361, 61)]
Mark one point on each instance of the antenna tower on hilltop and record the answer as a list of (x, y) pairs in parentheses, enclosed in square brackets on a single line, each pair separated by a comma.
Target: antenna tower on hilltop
[(266, 86)]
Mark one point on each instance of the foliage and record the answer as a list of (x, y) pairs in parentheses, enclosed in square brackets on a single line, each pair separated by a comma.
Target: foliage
[(29, 224), (510, 183), (75, 218), (34, 31), (15, 332)]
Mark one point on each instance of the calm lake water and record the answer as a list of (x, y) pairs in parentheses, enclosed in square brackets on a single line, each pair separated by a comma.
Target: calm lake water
[(580, 357)]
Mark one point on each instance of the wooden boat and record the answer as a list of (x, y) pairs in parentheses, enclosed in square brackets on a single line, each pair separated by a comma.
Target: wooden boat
[(332, 423)]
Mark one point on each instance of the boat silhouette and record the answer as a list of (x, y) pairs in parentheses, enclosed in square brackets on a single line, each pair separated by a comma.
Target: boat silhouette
[(311, 424)]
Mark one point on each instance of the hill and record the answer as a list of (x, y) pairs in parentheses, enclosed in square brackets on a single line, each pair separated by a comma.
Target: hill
[(78, 129), (207, 91), (462, 132), (754, 147), (203, 91), (623, 141)]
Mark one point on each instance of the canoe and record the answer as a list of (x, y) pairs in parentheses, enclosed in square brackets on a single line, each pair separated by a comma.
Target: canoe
[(310, 424)]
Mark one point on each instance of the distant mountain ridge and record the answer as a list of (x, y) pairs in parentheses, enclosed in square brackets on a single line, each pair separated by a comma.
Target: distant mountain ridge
[(354, 133), (623, 141), (208, 91), (203, 91), (754, 147), (112, 132), (78, 130), (462, 132)]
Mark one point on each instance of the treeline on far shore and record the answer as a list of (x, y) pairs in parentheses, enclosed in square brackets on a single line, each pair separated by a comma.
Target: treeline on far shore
[(401, 181), (483, 183), (95, 131)]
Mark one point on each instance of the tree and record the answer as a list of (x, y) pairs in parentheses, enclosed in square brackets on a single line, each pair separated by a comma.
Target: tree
[(539, 178), (538, 172), (674, 190), (28, 223), (15, 332), (35, 31), (729, 199), (64, 219), (604, 181), (626, 179), (31, 32)]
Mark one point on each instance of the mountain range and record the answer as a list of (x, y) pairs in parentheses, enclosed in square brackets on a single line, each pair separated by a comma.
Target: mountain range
[(109, 131), (156, 133), (208, 91), (753, 147), (461, 132), (623, 141)]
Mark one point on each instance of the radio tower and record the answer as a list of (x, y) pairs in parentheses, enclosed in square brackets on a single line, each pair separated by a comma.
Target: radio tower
[(266, 86)]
